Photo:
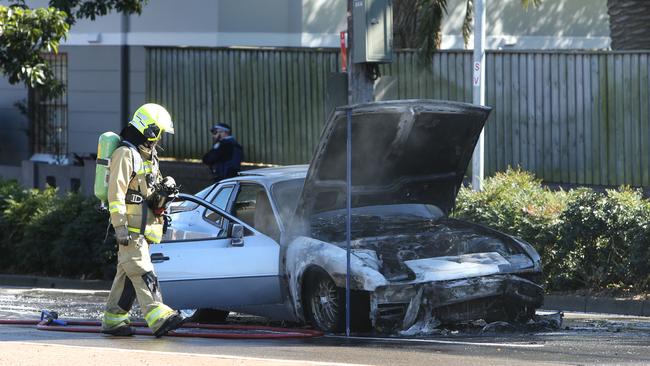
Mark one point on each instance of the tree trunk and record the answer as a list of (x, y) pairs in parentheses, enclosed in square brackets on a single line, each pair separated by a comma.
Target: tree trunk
[(629, 24)]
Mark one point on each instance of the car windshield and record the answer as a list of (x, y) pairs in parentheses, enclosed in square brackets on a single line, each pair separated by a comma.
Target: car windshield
[(286, 195)]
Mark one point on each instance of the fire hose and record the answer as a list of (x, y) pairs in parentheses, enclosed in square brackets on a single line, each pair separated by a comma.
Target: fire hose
[(49, 321)]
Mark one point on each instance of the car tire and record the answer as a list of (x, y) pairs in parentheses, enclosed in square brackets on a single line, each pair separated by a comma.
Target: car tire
[(325, 303), (209, 316)]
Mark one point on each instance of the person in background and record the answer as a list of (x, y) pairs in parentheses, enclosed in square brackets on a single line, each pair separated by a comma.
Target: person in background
[(225, 157)]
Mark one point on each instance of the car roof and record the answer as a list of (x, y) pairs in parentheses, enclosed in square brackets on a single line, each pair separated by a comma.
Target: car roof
[(279, 170), (271, 175)]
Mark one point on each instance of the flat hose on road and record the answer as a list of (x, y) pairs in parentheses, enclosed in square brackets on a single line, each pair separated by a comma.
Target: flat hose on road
[(213, 330)]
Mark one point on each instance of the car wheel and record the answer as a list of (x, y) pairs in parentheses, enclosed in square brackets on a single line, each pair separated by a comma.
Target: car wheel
[(326, 304), (209, 316)]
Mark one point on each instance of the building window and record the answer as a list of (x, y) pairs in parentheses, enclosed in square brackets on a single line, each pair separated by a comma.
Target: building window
[(49, 116)]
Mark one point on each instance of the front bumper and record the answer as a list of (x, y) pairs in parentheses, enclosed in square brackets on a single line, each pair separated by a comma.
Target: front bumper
[(496, 297)]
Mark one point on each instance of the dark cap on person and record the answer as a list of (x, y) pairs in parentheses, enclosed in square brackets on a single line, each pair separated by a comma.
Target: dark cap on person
[(220, 126)]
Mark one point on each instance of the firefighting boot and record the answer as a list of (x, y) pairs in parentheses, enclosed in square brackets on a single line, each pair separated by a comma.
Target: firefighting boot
[(171, 323), (123, 331)]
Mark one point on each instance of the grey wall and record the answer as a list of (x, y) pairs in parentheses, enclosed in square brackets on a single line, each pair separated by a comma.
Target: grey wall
[(137, 82), (168, 16), (14, 141), (279, 16), (554, 24), (94, 92)]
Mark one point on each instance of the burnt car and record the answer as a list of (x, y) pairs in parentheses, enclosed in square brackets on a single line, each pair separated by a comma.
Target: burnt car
[(272, 242)]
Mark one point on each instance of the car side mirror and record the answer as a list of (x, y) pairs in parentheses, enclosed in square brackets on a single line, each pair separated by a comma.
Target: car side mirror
[(237, 235)]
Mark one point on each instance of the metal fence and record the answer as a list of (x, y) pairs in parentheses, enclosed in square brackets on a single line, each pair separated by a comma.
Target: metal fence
[(569, 116), (273, 99)]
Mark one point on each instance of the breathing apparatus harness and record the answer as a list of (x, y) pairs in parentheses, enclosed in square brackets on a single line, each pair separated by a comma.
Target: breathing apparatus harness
[(164, 192)]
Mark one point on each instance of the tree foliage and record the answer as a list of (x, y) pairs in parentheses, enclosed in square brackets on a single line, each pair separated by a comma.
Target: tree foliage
[(25, 34)]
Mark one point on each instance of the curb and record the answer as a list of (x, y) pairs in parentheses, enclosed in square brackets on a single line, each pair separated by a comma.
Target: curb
[(53, 282), (591, 304)]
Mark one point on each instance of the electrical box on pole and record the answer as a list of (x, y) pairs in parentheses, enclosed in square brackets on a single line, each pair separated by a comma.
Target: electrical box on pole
[(372, 31)]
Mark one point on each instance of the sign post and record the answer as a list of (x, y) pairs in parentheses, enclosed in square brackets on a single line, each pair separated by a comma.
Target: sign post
[(478, 88)]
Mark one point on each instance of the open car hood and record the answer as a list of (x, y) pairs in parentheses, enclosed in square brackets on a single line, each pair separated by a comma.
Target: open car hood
[(406, 151)]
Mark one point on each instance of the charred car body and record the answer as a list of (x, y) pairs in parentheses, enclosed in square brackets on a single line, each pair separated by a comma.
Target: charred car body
[(272, 241)]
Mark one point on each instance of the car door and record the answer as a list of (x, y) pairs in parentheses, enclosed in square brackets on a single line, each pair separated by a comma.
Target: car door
[(210, 272)]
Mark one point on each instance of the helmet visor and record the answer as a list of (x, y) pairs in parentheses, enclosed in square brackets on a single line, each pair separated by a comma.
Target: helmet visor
[(152, 132)]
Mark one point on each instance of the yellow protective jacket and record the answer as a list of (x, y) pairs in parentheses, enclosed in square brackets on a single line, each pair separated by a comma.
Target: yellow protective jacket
[(121, 179)]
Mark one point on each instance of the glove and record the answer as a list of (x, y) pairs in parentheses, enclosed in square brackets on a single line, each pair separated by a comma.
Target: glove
[(169, 183), (122, 235), (163, 194)]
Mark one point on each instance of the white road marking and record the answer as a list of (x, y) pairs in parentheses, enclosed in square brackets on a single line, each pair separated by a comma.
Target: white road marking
[(227, 357), (440, 341)]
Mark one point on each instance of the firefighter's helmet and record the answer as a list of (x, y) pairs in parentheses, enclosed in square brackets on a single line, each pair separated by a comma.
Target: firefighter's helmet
[(152, 120)]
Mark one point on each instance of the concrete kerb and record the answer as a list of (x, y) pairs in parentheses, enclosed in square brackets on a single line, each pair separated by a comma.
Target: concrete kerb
[(53, 282), (592, 304)]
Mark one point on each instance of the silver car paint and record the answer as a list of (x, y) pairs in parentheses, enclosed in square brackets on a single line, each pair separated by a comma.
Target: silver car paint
[(206, 272)]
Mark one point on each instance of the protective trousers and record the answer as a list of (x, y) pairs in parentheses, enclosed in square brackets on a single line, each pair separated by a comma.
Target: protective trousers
[(135, 279)]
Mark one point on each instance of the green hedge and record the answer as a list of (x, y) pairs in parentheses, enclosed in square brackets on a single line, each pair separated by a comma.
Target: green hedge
[(587, 240), (44, 233)]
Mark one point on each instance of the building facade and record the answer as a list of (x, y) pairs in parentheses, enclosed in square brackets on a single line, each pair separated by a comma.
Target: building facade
[(103, 62)]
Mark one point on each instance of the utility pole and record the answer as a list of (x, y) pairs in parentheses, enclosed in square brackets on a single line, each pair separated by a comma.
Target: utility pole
[(360, 86), (360, 90), (375, 20), (478, 90)]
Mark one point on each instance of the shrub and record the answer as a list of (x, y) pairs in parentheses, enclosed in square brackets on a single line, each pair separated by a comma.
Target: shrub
[(34, 250), (10, 192), (19, 211), (516, 203), (587, 240), (603, 241), (83, 248), (44, 233)]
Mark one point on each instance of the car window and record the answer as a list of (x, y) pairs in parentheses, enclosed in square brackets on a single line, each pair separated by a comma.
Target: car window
[(286, 195), (253, 207), (220, 200)]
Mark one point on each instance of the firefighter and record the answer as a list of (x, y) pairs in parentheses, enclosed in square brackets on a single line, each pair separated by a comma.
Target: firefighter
[(132, 189)]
